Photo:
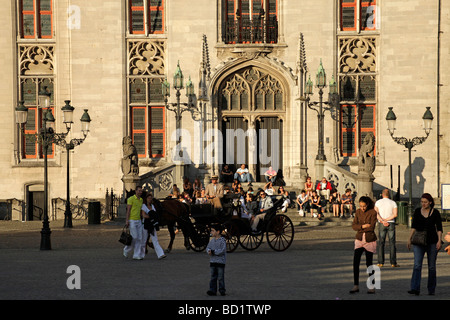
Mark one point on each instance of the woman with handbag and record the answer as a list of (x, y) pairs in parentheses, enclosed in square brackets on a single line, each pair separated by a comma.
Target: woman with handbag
[(426, 235), (365, 240)]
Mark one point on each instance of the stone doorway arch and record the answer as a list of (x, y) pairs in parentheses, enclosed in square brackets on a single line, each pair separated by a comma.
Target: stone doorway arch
[(251, 98)]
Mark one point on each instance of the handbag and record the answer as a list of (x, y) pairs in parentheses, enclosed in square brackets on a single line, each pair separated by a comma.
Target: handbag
[(125, 237), (419, 238)]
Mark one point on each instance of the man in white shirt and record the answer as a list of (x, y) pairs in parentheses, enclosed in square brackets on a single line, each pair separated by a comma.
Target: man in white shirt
[(386, 213), (242, 174)]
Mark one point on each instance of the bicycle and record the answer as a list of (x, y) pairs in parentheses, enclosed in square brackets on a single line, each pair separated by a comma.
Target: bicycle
[(80, 209)]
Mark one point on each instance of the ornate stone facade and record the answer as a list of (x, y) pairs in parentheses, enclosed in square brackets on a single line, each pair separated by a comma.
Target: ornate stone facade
[(100, 64)]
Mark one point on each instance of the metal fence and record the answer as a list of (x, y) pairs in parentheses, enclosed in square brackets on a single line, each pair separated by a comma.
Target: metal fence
[(251, 31)]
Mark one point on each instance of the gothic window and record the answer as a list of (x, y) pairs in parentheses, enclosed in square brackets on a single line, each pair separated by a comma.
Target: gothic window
[(357, 87), (252, 89), (146, 16), (35, 73), (350, 10), (29, 89), (145, 98), (356, 122), (250, 21), (35, 17)]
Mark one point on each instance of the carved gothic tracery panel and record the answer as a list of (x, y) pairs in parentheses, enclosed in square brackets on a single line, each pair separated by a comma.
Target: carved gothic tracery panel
[(36, 60), (252, 89), (357, 55), (146, 57)]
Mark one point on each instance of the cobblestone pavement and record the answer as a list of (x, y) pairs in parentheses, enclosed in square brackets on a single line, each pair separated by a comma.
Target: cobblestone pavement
[(317, 266)]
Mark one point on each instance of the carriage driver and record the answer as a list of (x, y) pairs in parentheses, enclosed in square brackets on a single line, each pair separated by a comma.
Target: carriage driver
[(214, 192), (265, 203)]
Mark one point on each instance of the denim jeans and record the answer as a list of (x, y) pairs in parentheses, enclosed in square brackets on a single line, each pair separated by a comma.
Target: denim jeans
[(419, 253), (245, 177), (217, 275), (390, 232)]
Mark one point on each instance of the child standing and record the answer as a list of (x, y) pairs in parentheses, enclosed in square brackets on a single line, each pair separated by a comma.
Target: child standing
[(217, 250)]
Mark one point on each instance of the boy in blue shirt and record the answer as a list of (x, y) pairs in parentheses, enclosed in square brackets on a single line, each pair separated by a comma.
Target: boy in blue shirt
[(217, 250)]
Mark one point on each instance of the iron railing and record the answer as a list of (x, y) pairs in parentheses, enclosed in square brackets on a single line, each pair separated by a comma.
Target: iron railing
[(251, 31)]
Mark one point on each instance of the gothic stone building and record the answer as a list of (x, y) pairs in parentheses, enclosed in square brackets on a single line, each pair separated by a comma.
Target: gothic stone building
[(249, 62)]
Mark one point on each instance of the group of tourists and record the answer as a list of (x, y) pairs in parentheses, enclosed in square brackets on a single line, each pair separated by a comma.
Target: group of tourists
[(255, 204), (322, 196), (425, 237)]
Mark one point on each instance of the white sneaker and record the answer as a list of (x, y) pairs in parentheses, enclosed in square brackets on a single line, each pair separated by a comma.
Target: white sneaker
[(162, 257)]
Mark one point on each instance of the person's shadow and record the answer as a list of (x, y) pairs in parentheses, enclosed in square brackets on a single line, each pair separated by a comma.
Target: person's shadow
[(418, 180)]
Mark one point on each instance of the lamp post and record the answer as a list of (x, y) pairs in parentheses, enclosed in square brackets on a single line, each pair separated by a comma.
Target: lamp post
[(409, 144), (178, 107), (68, 120), (321, 106), (46, 137)]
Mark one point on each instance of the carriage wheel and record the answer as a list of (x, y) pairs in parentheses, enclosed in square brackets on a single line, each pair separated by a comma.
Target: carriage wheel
[(231, 234), (280, 232), (198, 241), (251, 241)]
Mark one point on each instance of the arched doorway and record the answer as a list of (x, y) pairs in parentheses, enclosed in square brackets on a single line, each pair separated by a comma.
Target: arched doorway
[(252, 105)]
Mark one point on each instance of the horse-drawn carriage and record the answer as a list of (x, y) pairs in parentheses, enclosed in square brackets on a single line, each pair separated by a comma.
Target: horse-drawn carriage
[(277, 228)]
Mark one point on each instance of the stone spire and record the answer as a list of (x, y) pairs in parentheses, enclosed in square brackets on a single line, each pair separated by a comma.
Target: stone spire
[(205, 71)]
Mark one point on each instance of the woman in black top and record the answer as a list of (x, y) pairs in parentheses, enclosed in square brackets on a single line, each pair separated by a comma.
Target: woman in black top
[(429, 219)]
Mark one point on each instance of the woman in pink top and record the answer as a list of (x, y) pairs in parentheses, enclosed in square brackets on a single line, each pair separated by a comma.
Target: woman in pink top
[(270, 175), (365, 240)]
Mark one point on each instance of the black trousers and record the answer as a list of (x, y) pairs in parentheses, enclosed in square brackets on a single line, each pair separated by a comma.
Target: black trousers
[(357, 260)]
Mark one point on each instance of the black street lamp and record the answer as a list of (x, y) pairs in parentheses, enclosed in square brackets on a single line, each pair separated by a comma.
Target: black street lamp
[(409, 144), (45, 138), (68, 120), (177, 107), (319, 106)]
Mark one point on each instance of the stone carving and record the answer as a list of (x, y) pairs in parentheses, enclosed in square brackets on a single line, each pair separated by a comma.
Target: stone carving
[(130, 166), (165, 181), (366, 161), (36, 60), (252, 84), (357, 55), (146, 58)]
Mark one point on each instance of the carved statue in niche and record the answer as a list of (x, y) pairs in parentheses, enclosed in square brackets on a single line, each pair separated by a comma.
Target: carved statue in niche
[(366, 161), (130, 165)]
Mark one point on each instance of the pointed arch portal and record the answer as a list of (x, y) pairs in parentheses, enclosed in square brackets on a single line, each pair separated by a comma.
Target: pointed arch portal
[(252, 104)]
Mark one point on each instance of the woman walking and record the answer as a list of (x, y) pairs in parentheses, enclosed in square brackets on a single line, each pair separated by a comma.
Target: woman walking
[(428, 219), (365, 239), (150, 226)]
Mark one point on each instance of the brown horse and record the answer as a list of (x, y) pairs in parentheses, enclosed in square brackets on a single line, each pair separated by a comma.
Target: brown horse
[(171, 212)]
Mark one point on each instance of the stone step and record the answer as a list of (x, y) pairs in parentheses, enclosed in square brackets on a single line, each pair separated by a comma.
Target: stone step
[(307, 220)]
